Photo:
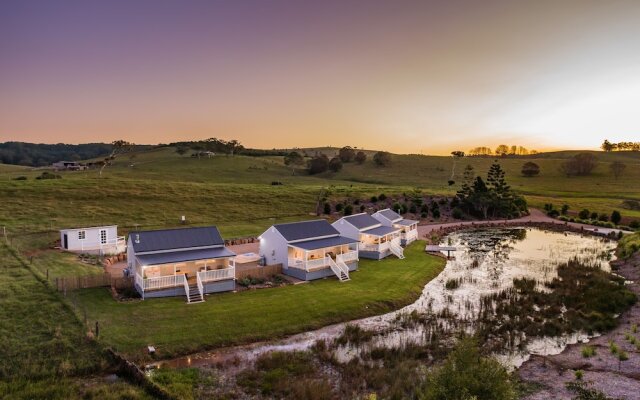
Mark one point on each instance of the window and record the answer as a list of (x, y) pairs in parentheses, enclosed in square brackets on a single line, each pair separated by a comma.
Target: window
[(103, 236), (82, 235)]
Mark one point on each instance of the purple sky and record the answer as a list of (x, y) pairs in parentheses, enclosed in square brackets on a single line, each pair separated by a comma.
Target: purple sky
[(407, 76)]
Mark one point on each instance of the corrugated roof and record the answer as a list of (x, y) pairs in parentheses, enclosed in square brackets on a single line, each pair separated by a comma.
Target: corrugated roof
[(185, 255), (362, 221), (390, 214), (322, 243), (306, 230), (406, 222), (172, 239), (380, 231)]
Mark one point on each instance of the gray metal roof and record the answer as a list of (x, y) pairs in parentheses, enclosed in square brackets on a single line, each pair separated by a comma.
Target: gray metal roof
[(406, 222), (390, 214), (184, 255), (362, 221), (172, 239), (380, 231), (306, 230), (322, 243)]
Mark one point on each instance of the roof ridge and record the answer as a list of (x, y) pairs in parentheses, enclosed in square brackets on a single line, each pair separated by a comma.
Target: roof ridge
[(301, 222), (178, 229)]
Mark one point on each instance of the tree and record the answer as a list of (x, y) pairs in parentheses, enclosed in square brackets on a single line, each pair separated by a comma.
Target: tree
[(580, 165), (530, 169), (565, 209), (607, 146), (584, 214), (382, 158), (502, 150), (467, 375), (318, 164), (294, 159), (327, 208), (348, 209), (361, 157), (617, 168), (119, 147), (616, 217), (457, 153), (181, 150), (499, 189), (347, 154), (335, 164)]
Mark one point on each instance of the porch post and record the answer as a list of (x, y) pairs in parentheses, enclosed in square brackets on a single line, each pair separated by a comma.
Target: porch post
[(306, 260)]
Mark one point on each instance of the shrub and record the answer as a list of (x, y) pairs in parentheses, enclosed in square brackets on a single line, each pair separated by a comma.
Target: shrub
[(594, 215), (348, 209), (318, 164), (374, 199), (382, 197), (530, 169), (580, 165), (584, 214), (403, 208), (457, 213), (466, 374), (565, 209), (327, 208), (413, 209), (362, 208), (436, 213), (603, 217), (635, 224), (424, 215), (361, 157), (48, 175), (382, 158), (20, 178), (579, 374), (588, 351), (339, 207), (616, 217), (335, 165), (396, 207)]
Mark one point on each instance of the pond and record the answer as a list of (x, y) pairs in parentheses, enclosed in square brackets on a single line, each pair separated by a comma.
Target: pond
[(486, 263)]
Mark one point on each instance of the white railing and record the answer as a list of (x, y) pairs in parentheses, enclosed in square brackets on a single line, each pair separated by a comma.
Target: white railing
[(374, 247), (186, 290), (217, 274), (397, 250), (339, 268), (348, 256), (200, 286), (163, 282), (410, 235), (306, 265)]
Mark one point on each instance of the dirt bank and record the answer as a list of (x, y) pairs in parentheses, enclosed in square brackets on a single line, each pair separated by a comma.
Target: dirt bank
[(619, 380)]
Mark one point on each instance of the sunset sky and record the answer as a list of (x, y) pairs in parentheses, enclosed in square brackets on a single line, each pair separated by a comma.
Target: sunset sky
[(404, 76)]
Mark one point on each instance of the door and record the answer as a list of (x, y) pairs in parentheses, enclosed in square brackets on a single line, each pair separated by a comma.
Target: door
[(65, 244)]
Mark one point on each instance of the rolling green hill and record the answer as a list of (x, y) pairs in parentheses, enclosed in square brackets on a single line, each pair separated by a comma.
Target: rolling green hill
[(154, 188)]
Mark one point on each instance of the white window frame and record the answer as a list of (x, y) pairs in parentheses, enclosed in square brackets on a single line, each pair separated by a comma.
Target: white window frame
[(82, 235)]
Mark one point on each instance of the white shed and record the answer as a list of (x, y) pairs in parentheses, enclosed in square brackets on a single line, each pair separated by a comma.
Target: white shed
[(94, 240)]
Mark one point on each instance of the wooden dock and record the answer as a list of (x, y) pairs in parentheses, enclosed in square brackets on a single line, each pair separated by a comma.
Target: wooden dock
[(438, 249)]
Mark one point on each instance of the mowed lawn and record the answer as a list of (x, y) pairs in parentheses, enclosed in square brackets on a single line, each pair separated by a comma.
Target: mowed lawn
[(174, 327)]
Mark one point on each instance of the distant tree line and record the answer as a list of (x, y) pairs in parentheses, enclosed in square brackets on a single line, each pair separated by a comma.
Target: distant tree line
[(40, 155), (320, 162), (215, 145), (620, 146), (501, 150)]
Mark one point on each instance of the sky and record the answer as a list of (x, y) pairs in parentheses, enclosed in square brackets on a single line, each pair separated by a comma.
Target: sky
[(404, 76)]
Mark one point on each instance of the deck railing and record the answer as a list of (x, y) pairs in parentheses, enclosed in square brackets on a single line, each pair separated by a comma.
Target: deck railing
[(309, 264), (217, 274), (349, 256), (161, 282), (374, 246), (95, 245), (410, 235)]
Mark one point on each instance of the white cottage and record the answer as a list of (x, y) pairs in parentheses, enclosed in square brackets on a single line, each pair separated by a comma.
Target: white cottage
[(187, 262), (93, 240), (309, 250), (408, 227), (376, 241)]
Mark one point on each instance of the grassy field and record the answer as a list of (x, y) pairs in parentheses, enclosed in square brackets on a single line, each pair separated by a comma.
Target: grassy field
[(43, 347), (230, 318)]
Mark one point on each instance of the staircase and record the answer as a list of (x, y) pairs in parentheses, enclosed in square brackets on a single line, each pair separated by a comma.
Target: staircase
[(340, 269), (194, 292), (397, 250)]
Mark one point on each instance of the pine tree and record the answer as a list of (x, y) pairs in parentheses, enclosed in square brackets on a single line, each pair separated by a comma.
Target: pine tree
[(499, 189)]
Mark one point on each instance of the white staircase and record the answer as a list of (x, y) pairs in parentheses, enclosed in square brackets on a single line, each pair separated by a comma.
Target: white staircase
[(194, 293), (340, 269), (397, 250)]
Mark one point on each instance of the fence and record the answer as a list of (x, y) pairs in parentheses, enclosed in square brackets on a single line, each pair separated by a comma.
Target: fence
[(91, 281), (258, 272)]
